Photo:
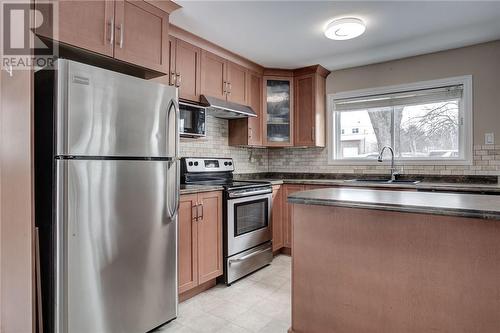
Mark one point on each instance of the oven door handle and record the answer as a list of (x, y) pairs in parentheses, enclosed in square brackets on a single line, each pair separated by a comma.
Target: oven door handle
[(248, 194), (248, 256)]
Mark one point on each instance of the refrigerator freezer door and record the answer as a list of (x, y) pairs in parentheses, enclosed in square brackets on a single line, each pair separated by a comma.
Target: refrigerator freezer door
[(104, 113), (117, 247)]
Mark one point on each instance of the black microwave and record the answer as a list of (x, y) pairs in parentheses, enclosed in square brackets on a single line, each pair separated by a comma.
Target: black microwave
[(192, 120)]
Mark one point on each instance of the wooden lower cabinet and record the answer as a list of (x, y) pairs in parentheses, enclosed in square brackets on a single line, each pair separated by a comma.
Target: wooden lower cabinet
[(210, 236), (288, 213), (199, 239), (188, 243), (277, 218)]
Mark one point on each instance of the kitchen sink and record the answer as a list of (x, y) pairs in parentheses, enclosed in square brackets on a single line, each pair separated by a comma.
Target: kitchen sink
[(385, 181)]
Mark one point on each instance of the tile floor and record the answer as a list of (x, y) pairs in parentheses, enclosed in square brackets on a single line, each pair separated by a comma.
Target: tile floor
[(258, 303)]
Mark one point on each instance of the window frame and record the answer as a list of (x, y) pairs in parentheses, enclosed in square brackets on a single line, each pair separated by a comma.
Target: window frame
[(466, 115)]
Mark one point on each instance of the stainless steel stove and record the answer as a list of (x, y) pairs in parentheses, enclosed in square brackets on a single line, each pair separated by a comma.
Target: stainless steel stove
[(247, 214)]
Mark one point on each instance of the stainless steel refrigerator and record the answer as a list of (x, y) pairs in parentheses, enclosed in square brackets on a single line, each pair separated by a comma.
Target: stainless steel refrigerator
[(106, 199)]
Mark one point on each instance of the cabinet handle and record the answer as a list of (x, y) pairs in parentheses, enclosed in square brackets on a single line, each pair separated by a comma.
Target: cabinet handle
[(111, 27), (201, 216), (194, 212), (224, 87), (172, 78), (229, 88), (249, 132), (178, 79), (120, 27)]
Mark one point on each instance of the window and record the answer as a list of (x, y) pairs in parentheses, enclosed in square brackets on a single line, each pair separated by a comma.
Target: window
[(426, 123)]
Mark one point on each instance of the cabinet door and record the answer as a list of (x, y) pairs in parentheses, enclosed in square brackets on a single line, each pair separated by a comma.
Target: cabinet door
[(277, 218), (278, 111), (255, 102), (210, 236), (169, 79), (141, 35), (248, 131), (187, 68), (213, 75), (86, 24), (288, 212), (305, 122), (237, 83), (187, 243)]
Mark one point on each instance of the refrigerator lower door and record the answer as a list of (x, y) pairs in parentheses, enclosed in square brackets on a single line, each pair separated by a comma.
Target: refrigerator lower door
[(117, 247)]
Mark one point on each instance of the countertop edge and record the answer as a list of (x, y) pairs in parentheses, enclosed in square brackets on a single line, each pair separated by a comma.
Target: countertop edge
[(200, 189), (428, 210)]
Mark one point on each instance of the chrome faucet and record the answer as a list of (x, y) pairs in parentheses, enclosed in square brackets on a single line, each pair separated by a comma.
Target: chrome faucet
[(394, 173)]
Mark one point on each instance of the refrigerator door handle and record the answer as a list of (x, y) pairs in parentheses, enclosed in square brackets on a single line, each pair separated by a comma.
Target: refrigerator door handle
[(172, 211)]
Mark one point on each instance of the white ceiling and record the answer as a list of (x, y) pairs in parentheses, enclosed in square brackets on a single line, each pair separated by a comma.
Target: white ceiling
[(289, 34)]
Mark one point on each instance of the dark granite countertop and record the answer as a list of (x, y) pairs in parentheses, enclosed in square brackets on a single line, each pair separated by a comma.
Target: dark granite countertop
[(190, 189), (434, 183), (449, 204), (424, 186)]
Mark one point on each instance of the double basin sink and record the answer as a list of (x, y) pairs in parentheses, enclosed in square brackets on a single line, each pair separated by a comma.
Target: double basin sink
[(386, 181)]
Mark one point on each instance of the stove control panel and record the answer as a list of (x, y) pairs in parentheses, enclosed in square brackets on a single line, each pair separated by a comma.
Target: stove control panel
[(196, 164)]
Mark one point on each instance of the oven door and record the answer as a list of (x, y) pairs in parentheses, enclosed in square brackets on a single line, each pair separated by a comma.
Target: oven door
[(248, 222)]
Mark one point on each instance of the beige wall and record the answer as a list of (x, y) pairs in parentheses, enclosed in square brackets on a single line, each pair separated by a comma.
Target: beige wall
[(481, 61)]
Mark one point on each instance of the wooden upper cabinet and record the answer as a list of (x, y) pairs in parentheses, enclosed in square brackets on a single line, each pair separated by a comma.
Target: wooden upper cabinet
[(187, 70), (85, 24), (237, 83), (277, 218), (248, 131), (223, 79), (133, 31), (213, 75), (310, 107), (255, 102), (187, 243), (210, 236), (278, 116), (141, 35), (305, 121)]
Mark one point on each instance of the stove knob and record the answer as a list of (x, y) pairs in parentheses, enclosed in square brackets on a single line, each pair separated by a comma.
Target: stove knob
[(230, 163), (190, 163), (195, 163), (225, 163)]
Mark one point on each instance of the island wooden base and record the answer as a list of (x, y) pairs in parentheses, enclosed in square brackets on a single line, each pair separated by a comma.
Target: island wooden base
[(359, 270)]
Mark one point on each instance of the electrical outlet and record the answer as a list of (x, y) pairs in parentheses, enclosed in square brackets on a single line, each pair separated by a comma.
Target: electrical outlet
[(489, 138)]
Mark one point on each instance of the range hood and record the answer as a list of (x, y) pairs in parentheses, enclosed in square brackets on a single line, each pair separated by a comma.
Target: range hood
[(227, 110)]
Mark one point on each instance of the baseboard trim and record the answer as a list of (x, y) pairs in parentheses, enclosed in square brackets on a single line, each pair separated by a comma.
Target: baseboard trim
[(197, 290), (287, 251)]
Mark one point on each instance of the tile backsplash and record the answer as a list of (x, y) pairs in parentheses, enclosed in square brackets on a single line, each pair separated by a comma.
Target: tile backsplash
[(215, 144), (315, 160), (486, 162)]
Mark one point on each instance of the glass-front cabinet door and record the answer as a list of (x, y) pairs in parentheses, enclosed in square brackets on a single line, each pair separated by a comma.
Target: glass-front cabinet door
[(278, 111)]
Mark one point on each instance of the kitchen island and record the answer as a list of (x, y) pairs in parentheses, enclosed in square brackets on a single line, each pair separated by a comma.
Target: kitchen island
[(386, 261)]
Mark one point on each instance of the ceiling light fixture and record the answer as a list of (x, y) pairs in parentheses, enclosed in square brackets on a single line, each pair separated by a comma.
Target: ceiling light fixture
[(345, 28)]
